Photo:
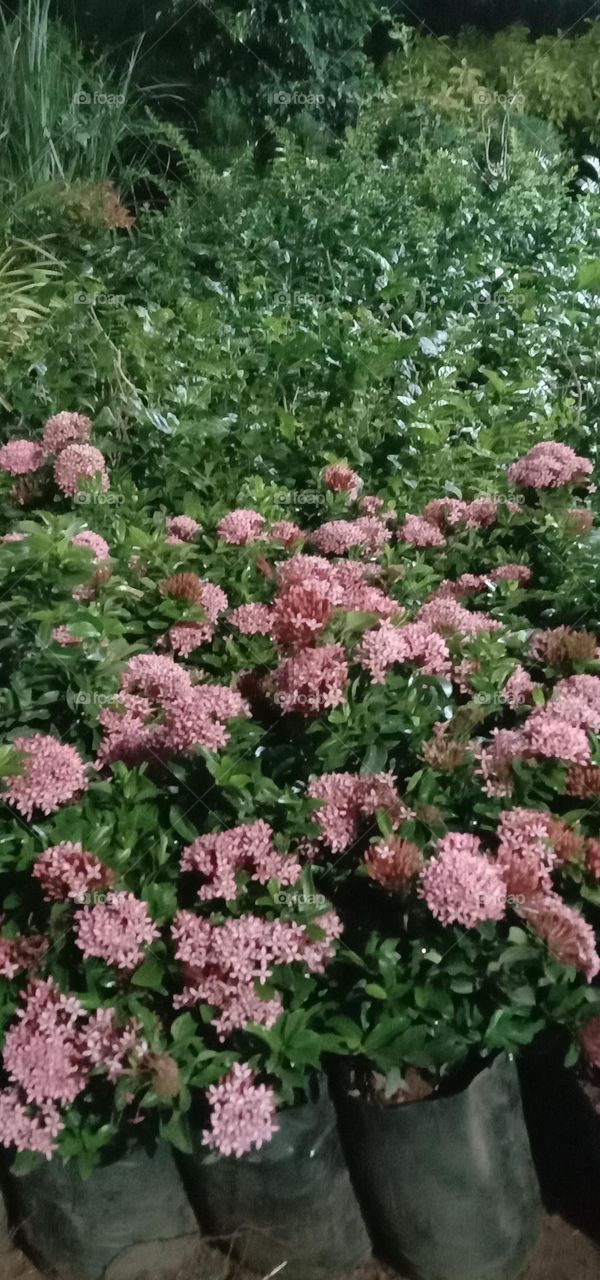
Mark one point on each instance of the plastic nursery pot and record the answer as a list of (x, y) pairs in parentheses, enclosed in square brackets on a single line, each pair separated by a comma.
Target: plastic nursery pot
[(447, 1185), (290, 1202), (82, 1230)]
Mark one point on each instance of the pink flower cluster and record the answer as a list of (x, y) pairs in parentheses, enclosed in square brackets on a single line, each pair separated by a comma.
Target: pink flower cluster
[(252, 619), (525, 856), (248, 848), (312, 680), (448, 617), (68, 871), (22, 954), (241, 527), (460, 885), (93, 542), (567, 935), (223, 963), (558, 731), (337, 537), (549, 466), (341, 479), (182, 529), (415, 642), (347, 799), (161, 713), (49, 1053), (20, 457), (344, 585), (242, 1113), (79, 462), (53, 774), (65, 428), (116, 931)]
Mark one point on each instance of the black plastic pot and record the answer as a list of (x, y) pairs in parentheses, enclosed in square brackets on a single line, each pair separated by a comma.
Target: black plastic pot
[(290, 1202), (447, 1185), (78, 1228)]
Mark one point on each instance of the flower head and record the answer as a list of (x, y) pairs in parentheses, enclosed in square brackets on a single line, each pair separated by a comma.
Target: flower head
[(79, 462), (66, 428), (393, 863), (68, 871), (93, 542), (242, 1113), (116, 931), (240, 527), (460, 885), (312, 681), (19, 457), (53, 774), (549, 465)]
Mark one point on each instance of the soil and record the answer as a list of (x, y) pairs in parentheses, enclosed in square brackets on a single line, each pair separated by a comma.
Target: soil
[(562, 1254)]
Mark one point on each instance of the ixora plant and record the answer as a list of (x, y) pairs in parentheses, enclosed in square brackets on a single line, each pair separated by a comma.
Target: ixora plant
[(329, 806)]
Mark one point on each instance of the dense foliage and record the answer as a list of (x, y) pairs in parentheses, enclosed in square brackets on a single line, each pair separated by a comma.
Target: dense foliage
[(300, 617)]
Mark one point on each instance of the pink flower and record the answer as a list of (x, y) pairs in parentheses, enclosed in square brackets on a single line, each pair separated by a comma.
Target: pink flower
[(512, 573), (415, 642), (336, 537), (116, 931), (241, 527), (64, 637), (223, 963), (19, 457), (286, 532), (247, 848), (182, 529), (21, 954), (79, 462), (478, 514), (99, 548), (341, 479), (567, 935), (525, 856), (160, 713), (547, 735), (243, 1114), (421, 533), (44, 1050), (68, 871), (460, 885), (447, 616), (13, 537), (347, 798), (66, 428), (371, 506), (495, 760), (312, 681), (184, 637), (298, 616), (393, 863), (577, 700), (115, 1049), (53, 774), (519, 688), (27, 1127), (549, 466), (252, 619)]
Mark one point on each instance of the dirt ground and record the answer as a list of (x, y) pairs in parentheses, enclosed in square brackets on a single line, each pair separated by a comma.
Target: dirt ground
[(562, 1254)]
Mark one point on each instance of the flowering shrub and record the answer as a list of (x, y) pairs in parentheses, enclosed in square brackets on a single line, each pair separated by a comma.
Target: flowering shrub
[(315, 802)]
